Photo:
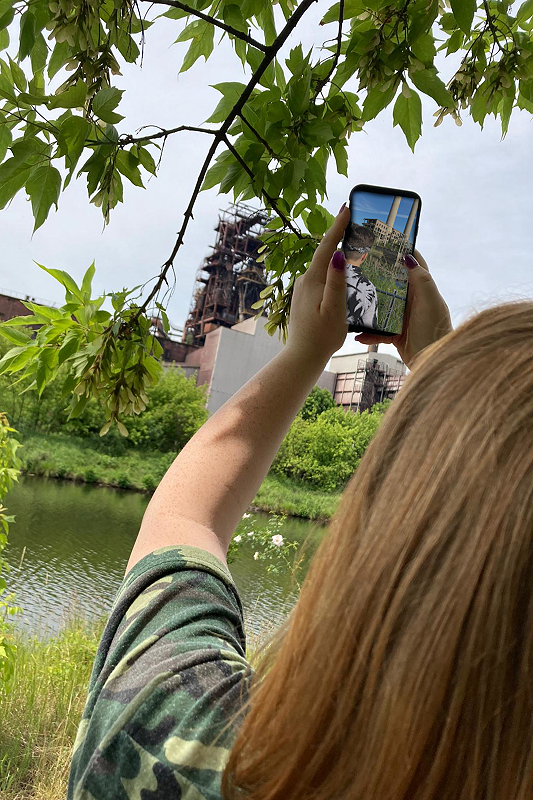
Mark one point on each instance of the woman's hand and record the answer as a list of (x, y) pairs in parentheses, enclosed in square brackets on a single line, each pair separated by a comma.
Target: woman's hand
[(317, 320), (427, 317)]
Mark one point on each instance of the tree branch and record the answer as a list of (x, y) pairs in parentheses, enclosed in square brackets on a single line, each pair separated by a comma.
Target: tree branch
[(268, 198), (493, 28), (212, 20), (220, 136), (323, 82), (260, 138), (164, 132)]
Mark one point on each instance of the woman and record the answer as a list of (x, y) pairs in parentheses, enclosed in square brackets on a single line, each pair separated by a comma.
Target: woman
[(361, 295), (404, 671)]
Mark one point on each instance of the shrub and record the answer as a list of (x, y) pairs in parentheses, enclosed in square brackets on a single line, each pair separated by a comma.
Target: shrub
[(326, 451), (61, 471), (316, 402), (124, 482), (90, 476), (149, 483)]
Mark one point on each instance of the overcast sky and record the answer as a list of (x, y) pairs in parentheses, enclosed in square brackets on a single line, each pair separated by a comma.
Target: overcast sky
[(475, 223)]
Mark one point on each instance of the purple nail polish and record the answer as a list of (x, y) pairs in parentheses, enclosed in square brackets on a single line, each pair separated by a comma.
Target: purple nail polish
[(338, 260), (342, 208), (410, 261)]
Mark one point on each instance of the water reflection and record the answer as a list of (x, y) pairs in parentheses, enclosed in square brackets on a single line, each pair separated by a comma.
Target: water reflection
[(69, 548)]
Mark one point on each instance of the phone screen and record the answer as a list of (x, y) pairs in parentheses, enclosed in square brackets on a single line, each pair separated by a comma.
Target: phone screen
[(383, 228)]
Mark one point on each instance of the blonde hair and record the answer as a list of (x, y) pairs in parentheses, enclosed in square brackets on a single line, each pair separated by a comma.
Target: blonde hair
[(405, 670)]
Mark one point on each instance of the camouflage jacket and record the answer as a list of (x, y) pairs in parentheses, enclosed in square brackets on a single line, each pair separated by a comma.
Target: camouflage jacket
[(169, 675)]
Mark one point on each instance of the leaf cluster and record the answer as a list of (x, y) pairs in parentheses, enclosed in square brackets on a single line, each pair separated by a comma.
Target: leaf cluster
[(112, 356)]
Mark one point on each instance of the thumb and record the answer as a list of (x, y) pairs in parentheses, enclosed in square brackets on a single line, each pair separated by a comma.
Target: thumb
[(334, 299), (420, 278)]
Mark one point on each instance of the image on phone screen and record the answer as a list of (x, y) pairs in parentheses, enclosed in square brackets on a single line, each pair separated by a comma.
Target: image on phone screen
[(382, 230)]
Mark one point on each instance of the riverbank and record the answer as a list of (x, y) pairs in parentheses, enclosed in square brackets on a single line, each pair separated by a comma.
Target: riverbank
[(69, 458)]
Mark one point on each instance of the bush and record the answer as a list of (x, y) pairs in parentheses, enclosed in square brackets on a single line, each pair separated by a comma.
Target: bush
[(149, 483), (326, 452), (61, 471), (318, 401), (124, 482), (90, 476)]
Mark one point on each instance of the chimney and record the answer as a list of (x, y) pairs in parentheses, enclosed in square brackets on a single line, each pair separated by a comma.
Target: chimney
[(372, 348)]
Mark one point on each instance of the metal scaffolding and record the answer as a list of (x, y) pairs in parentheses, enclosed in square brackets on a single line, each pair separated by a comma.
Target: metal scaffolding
[(229, 280), (372, 382)]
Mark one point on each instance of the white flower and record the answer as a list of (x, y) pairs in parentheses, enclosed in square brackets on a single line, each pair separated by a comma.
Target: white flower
[(237, 538), (277, 540), (251, 533), (256, 556), (245, 516)]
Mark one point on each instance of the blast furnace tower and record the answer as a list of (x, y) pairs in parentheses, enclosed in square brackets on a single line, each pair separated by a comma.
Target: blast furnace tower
[(230, 279)]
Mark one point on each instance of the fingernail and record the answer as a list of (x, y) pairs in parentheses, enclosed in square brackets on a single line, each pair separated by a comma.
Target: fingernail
[(338, 260), (410, 261), (341, 209)]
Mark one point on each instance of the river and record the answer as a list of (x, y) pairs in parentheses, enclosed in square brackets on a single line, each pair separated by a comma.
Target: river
[(70, 544)]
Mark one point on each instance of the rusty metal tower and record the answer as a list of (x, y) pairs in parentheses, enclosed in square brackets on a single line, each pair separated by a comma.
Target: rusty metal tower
[(229, 280)]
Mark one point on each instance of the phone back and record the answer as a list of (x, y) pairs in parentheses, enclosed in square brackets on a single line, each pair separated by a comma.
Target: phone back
[(382, 230)]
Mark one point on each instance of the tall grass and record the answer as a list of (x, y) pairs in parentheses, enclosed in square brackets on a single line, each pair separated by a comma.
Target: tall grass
[(40, 710), (287, 495)]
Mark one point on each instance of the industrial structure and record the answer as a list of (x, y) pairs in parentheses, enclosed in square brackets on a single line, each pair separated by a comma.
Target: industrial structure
[(392, 242), (230, 279), (223, 343)]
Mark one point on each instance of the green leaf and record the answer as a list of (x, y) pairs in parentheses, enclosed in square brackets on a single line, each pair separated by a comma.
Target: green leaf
[(341, 158), (5, 140), (39, 53), (376, 100), (70, 345), (75, 131), (105, 101), (13, 184), (145, 157), (525, 12), (4, 38), (408, 115), (64, 279), (43, 186), (16, 358), (128, 164), (231, 93), (18, 75), (27, 34), (202, 35), (218, 171), (74, 97), (463, 11), (87, 282), (428, 81), (13, 335), (59, 58)]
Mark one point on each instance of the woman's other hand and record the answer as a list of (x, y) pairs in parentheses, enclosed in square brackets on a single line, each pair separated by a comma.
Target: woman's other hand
[(317, 320), (427, 317)]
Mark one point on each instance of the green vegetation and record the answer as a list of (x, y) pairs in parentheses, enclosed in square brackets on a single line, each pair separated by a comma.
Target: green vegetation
[(386, 282), (40, 709), (273, 138), (9, 471)]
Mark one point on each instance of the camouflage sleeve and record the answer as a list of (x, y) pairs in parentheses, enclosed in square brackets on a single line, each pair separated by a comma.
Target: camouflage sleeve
[(169, 675)]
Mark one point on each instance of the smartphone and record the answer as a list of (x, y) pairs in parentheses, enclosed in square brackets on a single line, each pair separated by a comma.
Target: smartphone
[(383, 227)]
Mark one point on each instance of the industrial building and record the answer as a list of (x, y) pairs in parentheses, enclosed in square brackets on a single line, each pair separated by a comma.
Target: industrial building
[(223, 344)]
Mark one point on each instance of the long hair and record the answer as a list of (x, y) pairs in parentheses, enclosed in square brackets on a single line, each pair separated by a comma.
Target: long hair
[(405, 671)]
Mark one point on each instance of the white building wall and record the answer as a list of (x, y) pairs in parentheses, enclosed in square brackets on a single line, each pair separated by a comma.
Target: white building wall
[(242, 351), (348, 363)]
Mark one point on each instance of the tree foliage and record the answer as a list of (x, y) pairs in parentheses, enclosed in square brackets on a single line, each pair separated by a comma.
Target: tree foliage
[(175, 410), (317, 401), (270, 138)]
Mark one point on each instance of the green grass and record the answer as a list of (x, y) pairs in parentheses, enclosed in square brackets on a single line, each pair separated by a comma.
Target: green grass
[(40, 709), (279, 493), (381, 280), (56, 455)]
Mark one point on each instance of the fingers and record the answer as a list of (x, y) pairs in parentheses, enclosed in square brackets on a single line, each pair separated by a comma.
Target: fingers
[(372, 338), (421, 260), (318, 268), (334, 297)]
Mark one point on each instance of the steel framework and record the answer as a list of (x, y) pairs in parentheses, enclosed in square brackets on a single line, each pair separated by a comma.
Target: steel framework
[(230, 279)]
